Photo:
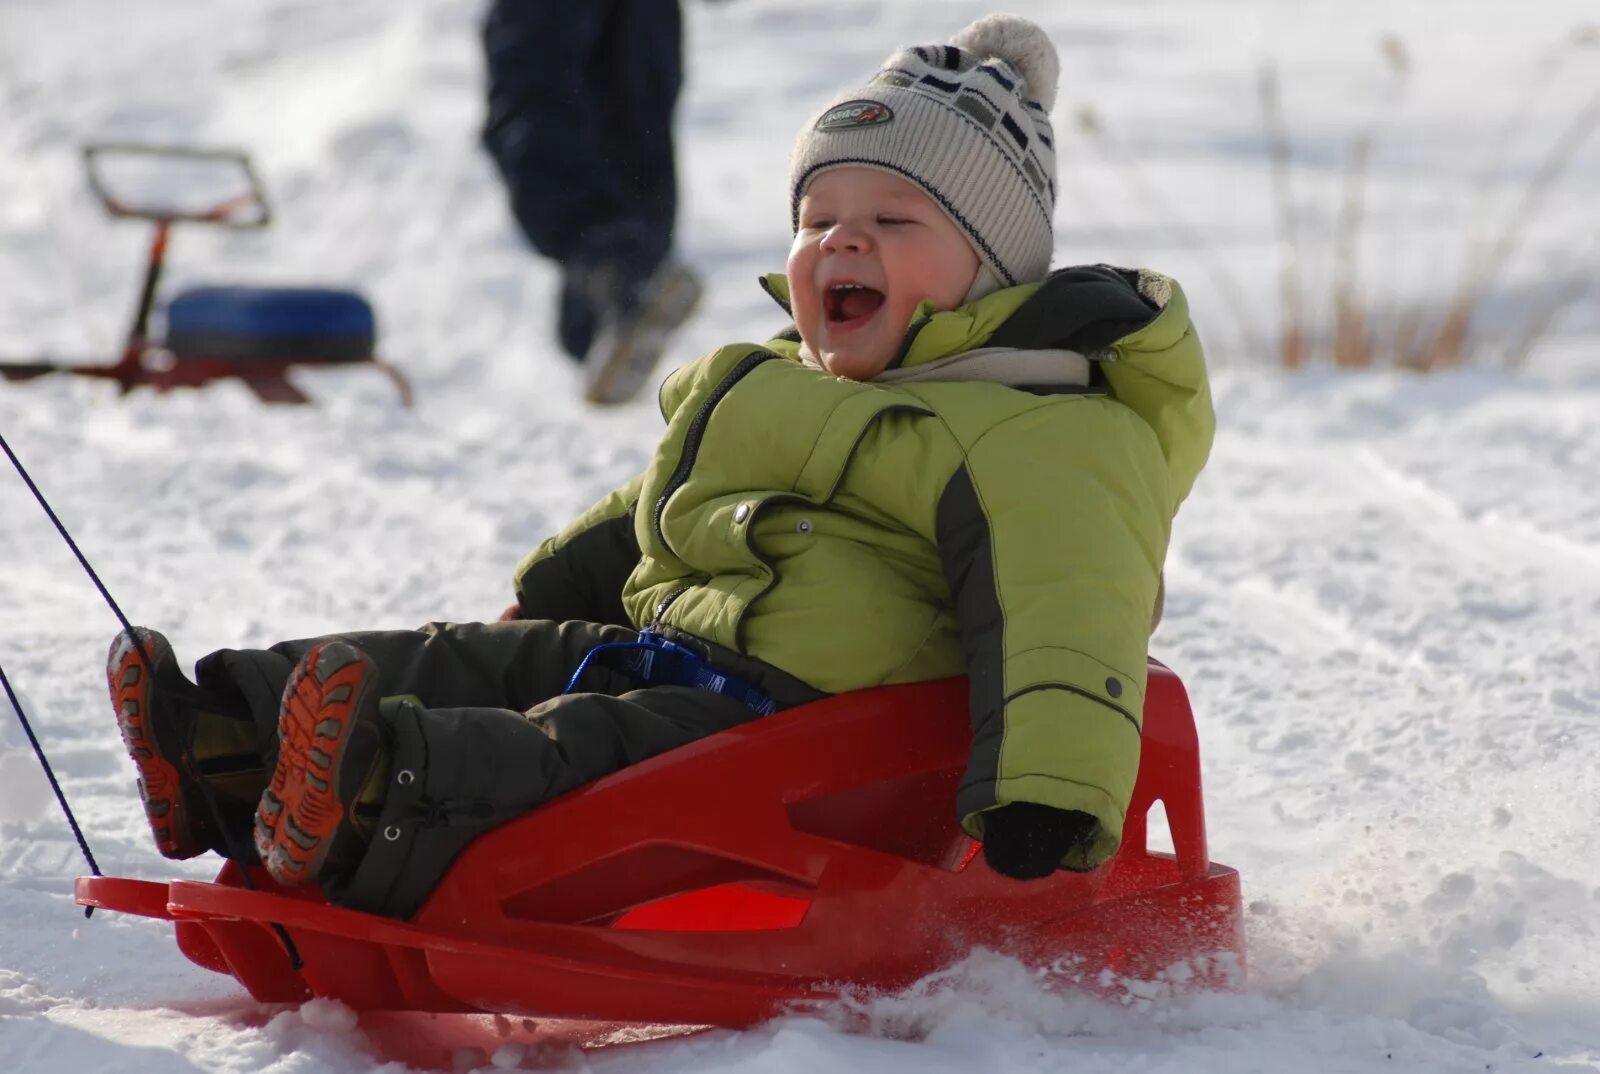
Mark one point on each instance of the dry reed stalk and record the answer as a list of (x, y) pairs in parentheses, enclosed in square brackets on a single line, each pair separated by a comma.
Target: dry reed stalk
[(1352, 347), (1478, 250), (1352, 339), (1292, 336), (1544, 315), (1519, 118), (1183, 233), (1407, 330), (1448, 346), (1516, 119)]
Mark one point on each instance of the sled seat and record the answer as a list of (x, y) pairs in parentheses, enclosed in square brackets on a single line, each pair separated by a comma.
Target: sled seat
[(305, 325), (762, 869)]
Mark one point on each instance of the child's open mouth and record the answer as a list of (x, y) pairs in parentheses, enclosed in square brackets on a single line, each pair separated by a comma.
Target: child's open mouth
[(850, 305)]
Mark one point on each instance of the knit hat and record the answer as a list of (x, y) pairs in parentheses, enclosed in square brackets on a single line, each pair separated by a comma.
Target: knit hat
[(969, 123)]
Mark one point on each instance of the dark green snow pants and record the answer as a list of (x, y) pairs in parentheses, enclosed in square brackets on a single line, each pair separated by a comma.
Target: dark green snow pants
[(475, 712)]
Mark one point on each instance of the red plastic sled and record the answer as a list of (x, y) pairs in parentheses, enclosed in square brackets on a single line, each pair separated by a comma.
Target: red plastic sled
[(760, 870)]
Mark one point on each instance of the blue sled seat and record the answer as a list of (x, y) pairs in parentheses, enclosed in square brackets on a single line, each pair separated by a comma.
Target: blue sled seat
[(299, 324)]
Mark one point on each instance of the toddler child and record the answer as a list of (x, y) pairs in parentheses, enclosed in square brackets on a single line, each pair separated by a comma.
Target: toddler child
[(956, 462)]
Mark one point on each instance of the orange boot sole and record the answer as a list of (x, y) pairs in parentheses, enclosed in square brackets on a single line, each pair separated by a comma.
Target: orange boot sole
[(300, 814), (170, 802)]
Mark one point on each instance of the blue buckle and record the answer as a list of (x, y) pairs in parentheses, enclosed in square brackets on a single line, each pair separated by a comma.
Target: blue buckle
[(655, 660)]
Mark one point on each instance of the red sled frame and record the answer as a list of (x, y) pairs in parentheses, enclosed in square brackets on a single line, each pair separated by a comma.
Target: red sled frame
[(144, 360), (760, 871)]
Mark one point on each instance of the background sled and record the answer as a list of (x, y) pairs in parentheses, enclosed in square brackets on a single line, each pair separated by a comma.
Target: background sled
[(255, 334), (761, 870)]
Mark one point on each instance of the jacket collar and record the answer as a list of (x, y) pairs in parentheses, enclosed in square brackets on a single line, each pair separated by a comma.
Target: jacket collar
[(931, 336), (1096, 310)]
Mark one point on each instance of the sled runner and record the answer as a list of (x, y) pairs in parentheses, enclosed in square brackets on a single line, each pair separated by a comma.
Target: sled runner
[(761, 870), (255, 334)]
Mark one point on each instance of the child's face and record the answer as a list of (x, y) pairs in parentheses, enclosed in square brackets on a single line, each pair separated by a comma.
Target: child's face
[(871, 246)]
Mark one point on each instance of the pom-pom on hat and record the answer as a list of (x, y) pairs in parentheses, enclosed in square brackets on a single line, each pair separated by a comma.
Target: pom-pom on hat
[(969, 123)]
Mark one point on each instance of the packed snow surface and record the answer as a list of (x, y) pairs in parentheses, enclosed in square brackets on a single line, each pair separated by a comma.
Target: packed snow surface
[(1383, 594)]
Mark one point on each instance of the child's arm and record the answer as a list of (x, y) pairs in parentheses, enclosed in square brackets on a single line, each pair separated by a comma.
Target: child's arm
[(1053, 537), (579, 573)]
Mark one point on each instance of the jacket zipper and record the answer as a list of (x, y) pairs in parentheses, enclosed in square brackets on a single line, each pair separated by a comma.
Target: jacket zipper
[(666, 602), (697, 431)]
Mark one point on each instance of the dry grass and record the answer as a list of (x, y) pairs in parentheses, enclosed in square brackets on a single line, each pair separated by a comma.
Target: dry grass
[(1342, 322), (1180, 232), (1413, 336)]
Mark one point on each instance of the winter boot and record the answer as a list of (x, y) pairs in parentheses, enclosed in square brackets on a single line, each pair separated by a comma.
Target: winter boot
[(198, 765), (318, 813), (639, 319), (577, 320)]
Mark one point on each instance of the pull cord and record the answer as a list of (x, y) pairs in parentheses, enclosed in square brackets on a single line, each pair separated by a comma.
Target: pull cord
[(49, 774), (289, 947)]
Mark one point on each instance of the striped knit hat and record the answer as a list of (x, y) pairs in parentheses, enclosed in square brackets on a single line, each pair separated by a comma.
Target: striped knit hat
[(969, 123)]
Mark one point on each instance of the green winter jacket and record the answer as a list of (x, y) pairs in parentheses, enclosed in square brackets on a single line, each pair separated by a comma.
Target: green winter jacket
[(940, 520)]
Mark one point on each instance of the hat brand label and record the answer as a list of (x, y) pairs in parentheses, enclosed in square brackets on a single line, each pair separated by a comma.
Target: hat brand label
[(853, 114)]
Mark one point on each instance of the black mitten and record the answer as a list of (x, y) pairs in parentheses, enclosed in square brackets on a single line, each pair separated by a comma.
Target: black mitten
[(1026, 841)]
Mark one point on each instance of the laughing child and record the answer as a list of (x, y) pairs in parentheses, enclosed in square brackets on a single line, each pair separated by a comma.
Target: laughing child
[(956, 462)]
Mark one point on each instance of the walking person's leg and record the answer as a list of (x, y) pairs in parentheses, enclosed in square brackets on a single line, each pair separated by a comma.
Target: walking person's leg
[(645, 293), (546, 131), (642, 54)]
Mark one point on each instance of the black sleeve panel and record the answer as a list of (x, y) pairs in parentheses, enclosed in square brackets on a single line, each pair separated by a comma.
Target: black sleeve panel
[(582, 577), (966, 548)]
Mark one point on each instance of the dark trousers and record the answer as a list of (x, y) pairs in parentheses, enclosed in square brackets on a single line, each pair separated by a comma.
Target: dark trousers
[(475, 712), (580, 123)]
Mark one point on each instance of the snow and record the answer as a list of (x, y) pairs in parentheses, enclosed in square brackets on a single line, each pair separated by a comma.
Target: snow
[(1382, 595)]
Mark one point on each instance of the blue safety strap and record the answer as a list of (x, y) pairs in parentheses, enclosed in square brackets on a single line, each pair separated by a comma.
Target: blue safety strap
[(654, 660)]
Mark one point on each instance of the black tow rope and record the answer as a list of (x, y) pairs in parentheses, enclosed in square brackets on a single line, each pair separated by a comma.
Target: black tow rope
[(49, 774), (293, 952)]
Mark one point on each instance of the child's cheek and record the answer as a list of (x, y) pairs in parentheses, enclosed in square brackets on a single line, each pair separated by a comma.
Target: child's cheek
[(802, 303)]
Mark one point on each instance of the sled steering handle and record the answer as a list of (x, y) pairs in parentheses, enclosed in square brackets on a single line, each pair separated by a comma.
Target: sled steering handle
[(248, 209)]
